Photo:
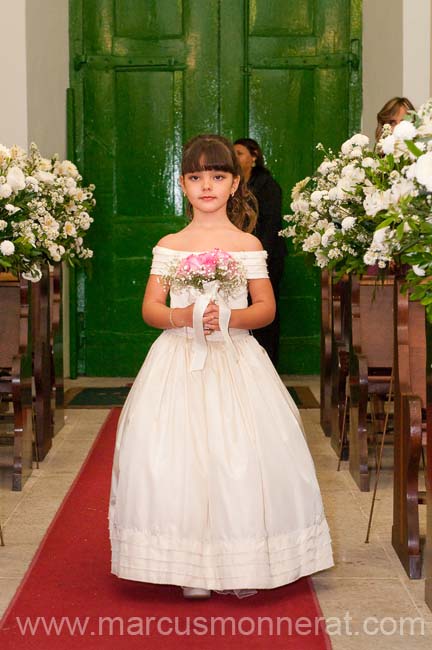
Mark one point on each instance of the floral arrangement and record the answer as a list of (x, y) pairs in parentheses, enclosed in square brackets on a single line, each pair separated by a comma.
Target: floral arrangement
[(198, 269), (44, 212), (365, 208)]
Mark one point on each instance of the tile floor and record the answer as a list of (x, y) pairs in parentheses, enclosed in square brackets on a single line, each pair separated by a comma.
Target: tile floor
[(366, 581)]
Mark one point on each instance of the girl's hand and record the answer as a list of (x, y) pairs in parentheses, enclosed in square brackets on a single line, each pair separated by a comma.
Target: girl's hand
[(211, 318), (183, 316)]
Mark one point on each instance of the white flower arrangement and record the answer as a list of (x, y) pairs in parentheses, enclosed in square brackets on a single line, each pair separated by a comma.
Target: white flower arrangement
[(44, 212), (366, 208)]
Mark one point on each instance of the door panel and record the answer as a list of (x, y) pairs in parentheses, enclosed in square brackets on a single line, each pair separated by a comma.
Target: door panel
[(146, 75), (269, 18), (299, 71)]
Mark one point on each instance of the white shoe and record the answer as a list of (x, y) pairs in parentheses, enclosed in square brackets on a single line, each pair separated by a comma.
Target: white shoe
[(196, 592)]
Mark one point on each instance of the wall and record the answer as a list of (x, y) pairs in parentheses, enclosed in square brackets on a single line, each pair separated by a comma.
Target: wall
[(47, 29), (13, 106), (417, 50), (47, 74)]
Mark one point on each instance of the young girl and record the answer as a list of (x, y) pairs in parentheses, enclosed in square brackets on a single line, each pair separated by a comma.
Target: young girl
[(213, 485)]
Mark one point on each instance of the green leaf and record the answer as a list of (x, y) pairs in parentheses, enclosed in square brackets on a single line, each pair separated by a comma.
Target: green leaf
[(386, 222), (412, 147)]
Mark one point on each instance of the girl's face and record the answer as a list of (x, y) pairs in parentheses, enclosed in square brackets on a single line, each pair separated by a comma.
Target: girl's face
[(209, 190), (245, 159)]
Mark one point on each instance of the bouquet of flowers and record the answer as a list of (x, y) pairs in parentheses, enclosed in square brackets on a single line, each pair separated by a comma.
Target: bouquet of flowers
[(330, 216), (44, 212), (362, 208), (199, 269)]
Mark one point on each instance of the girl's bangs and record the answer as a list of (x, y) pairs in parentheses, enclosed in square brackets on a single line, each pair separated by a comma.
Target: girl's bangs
[(208, 156)]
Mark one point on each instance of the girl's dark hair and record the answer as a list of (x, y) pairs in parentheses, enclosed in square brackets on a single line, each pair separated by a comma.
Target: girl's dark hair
[(254, 149), (216, 153), (389, 110)]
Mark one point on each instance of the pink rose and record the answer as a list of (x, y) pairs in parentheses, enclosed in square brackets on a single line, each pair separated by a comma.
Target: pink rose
[(209, 261), (223, 256)]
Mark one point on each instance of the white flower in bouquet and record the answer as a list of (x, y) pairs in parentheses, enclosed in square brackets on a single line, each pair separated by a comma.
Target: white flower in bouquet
[(357, 152), (380, 250), (326, 167), (409, 171), (70, 229), (401, 188), (354, 173), (3, 224), (348, 223), (85, 220), (44, 177), (32, 183), (34, 274), (369, 258), (300, 205), (370, 163), (424, 125), (423, 170), (321, 259), (11, 209), (15, 179), (328, 235), (317, 196), (5, 190), (7, 248), (44, 164), (66, 168), (55, 252), (380, 236), (357, 141), (4, 152), (376, 202), (312, 242), (387, 144), (405, 130), (418, 270), (298, 188)]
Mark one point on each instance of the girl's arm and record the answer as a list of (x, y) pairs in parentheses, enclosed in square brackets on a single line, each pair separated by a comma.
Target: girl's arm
[(155, 311), (263, 308)]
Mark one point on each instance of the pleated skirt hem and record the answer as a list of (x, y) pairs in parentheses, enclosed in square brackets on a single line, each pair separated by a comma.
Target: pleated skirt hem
[(270, 564)]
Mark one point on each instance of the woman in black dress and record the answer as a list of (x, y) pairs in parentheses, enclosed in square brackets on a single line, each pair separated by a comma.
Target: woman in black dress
[(269, 197)]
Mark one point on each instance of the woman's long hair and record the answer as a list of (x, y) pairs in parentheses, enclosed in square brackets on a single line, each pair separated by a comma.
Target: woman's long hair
[(216, 153), (388, 112), (254, 149)]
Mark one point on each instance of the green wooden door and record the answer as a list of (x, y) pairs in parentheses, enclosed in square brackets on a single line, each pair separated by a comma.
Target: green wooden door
[(145, 76)]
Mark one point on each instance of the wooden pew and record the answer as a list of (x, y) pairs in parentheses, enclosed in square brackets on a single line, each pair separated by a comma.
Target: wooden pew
[(41, 337), (326, 352), (428, 550), (370, 366), (340, 315), (410, 428), (16, 372), (56, 350)]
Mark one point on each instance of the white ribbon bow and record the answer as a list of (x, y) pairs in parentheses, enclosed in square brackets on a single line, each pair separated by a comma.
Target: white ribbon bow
[(199, 342)]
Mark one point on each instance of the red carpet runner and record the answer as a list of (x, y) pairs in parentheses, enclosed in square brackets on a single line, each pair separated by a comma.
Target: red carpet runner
[(68, 598)]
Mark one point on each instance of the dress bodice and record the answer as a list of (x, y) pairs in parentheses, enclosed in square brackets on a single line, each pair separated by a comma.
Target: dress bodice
[(254, 263)]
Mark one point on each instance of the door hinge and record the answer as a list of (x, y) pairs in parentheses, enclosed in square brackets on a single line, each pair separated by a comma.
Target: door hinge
[(354, 54), (79, 61)]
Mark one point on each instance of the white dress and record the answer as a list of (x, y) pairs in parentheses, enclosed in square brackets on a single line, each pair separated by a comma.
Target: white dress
[(213, 484)]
